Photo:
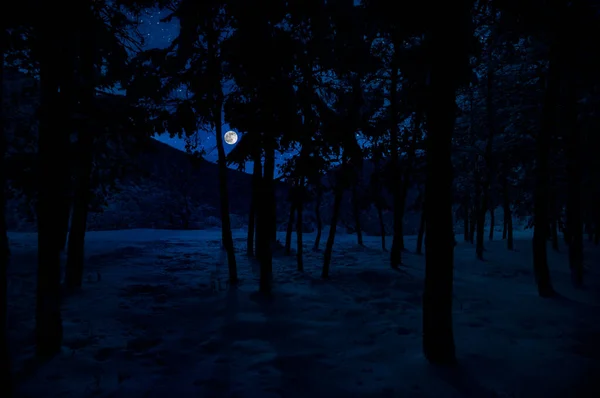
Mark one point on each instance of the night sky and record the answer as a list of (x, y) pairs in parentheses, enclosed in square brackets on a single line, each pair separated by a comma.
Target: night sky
[(158, 35)]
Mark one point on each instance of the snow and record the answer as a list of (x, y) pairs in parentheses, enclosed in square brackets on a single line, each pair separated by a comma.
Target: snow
[(149, 323)]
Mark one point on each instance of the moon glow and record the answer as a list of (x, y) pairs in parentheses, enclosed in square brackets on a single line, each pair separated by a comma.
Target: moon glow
[(231, 137)]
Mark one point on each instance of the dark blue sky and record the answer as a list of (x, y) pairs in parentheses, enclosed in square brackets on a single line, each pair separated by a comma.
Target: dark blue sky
[(158, 35)]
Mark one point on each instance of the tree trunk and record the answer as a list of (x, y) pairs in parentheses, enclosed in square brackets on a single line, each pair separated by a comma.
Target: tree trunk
[(396, 250), (492, 224), (5, 369), (265, 222), (299, 251), (554, 234), (397, 236), (438, 335), (480, 214), (318, 217), (356, 213), (421, 233), (541, 190), (290, 229), (256, 181), (381, 226), (509, 226), (226, 236), (574, 202), (83, 186), (52, 152), (337, 203), (467, 231), (251, 227), (506, 211), (473, 225), (76, 244)]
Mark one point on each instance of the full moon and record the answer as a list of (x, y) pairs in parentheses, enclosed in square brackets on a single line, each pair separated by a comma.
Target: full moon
[(231, 137)]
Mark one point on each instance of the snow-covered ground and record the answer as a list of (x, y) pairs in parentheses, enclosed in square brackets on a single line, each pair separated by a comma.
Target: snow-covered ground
[(149, 323)]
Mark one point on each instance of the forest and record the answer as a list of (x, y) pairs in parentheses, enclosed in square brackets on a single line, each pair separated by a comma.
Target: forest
[(421, 175)]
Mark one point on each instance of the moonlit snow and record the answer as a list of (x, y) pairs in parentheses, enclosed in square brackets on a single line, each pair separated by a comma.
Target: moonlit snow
[(151, 322)]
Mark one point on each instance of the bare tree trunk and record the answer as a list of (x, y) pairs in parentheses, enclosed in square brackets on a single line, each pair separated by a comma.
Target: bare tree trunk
[(337, 202), (480, 215), (256, 180), (299, 225), (318, 217), (473, 224), (492, 224), (381, 226), (438, 335), (396, 250), (421, 233), (76, 245), (467, 233), (251, 228), (509, 226), (265, 222), (52, 152), (83, 186), (356, 213), (541, 191), (290, 229), (574, 202), (5, 368), (554, 234), (226, 236)]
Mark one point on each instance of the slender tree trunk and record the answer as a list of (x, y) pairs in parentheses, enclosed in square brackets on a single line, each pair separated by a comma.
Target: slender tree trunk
[(381, 226), (397, 236), (76, 244), (83, 187), (299, 251), (356, 213), (421, 233), (467, 232), (251, 227), (509, 226), (256, 179), (337, 203), (5, 369), (505, 207), (396, 250), (492, 224), (438, 336), (480, 214), (541, 190), (473, 224), (574, 202), (52, 152), (290, 229), (554, 234), (318, 217), (226, 236), (266, 222)]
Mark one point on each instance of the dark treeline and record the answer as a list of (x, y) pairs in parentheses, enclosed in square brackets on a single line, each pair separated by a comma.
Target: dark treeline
[(479, 104)]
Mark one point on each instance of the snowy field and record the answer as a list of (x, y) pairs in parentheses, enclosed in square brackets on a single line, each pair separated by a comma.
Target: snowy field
[(149, 323)]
